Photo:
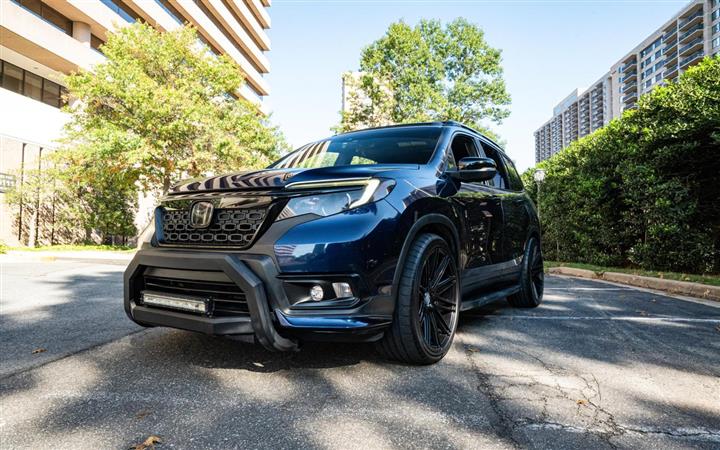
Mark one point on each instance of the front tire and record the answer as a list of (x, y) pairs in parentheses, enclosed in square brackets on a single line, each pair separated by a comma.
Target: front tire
[(532, 277), (428, 303)]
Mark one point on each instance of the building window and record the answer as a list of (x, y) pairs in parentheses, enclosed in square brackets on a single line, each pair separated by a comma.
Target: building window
[(716, 42), (31, 85), (715, 28), (51, 93), (122, 10), (96, 42), (170, 9), (48, 14), (12, 77)]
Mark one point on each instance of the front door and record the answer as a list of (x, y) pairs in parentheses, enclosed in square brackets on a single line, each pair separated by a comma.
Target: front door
[(482, 214)]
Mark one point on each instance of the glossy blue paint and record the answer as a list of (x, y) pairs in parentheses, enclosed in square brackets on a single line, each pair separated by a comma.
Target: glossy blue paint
[(486, 225)]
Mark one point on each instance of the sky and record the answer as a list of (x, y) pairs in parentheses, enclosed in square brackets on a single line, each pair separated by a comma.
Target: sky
[(548, 48)]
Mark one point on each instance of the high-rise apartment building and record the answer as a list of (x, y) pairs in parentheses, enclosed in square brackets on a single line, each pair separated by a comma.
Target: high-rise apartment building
[(682, 41), (42, 40)]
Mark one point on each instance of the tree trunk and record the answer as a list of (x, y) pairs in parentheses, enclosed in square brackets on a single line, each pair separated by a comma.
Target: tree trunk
[(166, 184)]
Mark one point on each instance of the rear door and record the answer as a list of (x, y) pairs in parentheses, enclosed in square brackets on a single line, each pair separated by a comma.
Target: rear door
[(514, 203)]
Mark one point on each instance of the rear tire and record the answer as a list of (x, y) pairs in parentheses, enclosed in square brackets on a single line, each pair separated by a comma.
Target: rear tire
[(428, 304), (532, 277)]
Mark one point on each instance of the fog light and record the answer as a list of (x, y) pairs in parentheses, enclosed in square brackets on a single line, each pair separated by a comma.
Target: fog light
[(317, 293), (342, 290)]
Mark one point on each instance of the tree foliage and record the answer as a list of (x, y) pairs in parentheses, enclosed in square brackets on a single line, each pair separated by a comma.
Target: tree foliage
[(162, 107), (644, 190), (429, 72)]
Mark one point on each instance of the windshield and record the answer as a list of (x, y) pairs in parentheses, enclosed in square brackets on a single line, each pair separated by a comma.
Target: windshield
[(411, 145)]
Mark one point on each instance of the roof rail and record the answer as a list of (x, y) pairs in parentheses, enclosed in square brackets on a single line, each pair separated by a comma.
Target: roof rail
[(462, 125)]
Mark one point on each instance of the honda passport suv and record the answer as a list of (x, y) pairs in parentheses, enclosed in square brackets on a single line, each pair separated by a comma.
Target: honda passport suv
[(382, 235)]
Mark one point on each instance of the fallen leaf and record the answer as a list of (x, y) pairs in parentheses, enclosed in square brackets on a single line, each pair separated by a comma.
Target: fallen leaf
[(642, 313), (718, 328), (149, 443), (473, 349), (39, 350), (142, 414), (581, 402)]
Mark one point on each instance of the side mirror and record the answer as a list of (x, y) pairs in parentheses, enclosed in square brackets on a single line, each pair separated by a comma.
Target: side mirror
[(474, 169)]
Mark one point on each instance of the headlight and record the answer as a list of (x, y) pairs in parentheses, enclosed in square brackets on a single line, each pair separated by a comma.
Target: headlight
[(147, 234), (366, 191)]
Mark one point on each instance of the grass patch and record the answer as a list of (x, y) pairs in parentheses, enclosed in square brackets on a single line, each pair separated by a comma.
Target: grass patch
[(713, 280), (74, 248)]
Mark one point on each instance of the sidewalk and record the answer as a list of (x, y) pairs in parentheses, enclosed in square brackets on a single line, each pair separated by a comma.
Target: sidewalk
[(673, 286), (88, 256)]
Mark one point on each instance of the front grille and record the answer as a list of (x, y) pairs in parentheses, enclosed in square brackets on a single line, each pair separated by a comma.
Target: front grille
[(226, 298), (229, 227)]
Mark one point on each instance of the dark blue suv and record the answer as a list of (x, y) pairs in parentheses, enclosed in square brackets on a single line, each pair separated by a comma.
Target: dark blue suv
[(381, 235)]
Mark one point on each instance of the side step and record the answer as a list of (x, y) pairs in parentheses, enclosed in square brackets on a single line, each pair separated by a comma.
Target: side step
[(488, 298)]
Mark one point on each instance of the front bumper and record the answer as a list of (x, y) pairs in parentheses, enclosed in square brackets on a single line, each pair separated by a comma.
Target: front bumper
[(269, 316)]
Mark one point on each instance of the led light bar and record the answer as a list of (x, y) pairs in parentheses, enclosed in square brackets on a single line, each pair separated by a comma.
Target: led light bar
[(197, 305)]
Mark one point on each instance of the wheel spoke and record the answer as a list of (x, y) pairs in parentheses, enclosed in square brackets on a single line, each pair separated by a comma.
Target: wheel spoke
[(445, 328), (444, 300), (444, 307), (445, 284), (426, 329), (434, 327), (439, 272)]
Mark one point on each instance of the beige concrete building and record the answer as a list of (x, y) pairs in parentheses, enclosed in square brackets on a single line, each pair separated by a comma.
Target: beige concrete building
[(691, 34), (41, 40)]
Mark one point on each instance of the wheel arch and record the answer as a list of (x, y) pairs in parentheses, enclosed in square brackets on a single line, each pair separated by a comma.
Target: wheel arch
[(430, 223)]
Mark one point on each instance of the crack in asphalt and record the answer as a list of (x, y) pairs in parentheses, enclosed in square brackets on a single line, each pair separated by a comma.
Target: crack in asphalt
[(603, 423), (504, 426)]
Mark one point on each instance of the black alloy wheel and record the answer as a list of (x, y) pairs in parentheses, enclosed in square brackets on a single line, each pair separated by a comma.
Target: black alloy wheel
[(532, 277), (437, 309), (428, 304)]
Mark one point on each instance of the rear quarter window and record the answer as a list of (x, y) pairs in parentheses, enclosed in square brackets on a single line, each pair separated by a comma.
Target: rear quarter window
[(514, 179)]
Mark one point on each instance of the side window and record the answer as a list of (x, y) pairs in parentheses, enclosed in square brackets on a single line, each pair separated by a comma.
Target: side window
[(500, 180), (516, 183), (461, 147)]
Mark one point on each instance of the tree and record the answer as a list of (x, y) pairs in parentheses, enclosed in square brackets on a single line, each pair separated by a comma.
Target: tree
[(430, 72), (163, 107), (645, 189)]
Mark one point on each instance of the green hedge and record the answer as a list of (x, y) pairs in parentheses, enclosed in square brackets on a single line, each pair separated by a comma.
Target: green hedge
[(644, 190)]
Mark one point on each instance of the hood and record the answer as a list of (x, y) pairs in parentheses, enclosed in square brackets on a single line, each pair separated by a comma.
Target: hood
[(274, 179)]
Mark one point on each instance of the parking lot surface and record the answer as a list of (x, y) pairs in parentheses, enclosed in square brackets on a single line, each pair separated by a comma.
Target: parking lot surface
[(595, 366)]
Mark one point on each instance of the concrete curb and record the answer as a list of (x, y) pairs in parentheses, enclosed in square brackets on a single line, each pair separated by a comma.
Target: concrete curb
[(676, 287), (84, 256)]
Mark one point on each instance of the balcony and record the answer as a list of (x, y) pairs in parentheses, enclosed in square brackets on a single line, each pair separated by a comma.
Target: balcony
[(670, 35), (694, 31), (689, 47), (693, 18), (629, 77), (630, 97), (630, 86), (691, 59)]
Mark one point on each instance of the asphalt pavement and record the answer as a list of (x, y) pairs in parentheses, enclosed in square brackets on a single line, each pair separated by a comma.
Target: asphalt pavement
[(595, 366)]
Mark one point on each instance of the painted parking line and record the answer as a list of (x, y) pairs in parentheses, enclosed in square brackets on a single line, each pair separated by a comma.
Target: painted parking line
[(587, 289), (617, 318)]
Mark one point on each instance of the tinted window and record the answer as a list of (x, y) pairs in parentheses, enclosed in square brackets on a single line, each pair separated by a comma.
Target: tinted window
[(461, 147), (12, 78), (500, 180), (516, 183), (380, 146), (33, 86)]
